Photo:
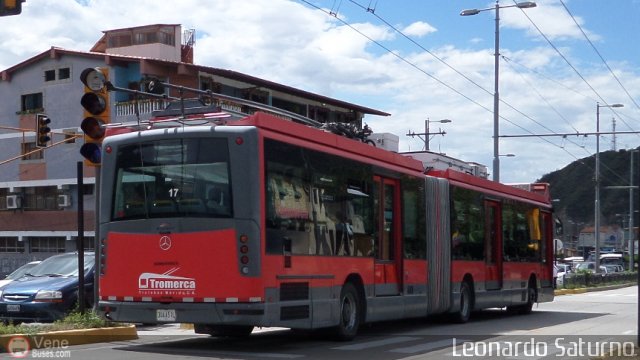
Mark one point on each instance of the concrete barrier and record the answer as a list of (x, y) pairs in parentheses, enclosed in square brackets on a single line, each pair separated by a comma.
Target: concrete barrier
[(61, 339)]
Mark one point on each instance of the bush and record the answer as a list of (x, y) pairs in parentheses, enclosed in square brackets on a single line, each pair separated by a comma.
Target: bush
[(75, 320)]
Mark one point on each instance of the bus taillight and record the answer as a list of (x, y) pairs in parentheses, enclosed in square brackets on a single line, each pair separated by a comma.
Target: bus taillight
[(103, 255), (244, 250)]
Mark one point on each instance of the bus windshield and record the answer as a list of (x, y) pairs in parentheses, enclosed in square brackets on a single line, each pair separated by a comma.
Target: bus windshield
[(172, 178)]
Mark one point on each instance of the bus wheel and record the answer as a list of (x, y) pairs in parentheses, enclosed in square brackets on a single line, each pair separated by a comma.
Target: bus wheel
[(223, 330), (349, 313), (464, 313), (528, 306), (531, 299)]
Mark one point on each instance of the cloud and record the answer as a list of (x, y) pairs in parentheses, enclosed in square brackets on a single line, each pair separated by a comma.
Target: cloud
[(295, 44), (419, 29)]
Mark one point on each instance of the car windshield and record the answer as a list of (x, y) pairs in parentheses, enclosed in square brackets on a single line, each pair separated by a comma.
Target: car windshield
[(19, 272), (586, 266), (62, 265)]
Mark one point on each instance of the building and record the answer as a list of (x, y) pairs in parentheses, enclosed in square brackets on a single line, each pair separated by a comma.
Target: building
[(611, 238), (38, 186)]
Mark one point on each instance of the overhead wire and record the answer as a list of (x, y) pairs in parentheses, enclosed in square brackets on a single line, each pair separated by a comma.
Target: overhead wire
[(601, 58), (555, 48), (466, 78), (372, 11)]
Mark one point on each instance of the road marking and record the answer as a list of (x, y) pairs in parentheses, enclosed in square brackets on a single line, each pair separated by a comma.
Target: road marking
[(376, 343), (426, 347)]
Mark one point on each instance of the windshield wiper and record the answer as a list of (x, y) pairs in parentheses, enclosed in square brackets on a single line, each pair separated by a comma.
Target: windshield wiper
[(53, 275)]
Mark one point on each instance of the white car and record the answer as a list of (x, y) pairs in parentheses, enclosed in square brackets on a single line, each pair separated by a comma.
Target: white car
[(560, 271), (18, 273)]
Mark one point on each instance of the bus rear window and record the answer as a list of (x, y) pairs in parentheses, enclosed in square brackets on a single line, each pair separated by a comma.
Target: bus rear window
[(172, 178)]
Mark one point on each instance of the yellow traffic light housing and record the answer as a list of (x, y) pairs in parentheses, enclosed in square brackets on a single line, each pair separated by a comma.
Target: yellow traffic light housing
[(10, 7), (43, 131), (97, 114)]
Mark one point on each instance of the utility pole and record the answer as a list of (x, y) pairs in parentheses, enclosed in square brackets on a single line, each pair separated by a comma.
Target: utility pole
[(426, 132)]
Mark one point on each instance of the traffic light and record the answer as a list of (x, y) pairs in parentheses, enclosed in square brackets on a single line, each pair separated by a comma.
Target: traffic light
[(97, 114), (43, 131), (10, 7)]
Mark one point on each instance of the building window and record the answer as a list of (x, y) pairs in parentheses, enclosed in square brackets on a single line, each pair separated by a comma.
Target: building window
[(64, 73), (70, 136), (31, 102), (40, 198), (88, 189), (10, 244), (50, 75), (49, 244), (3, 198), (89, 242), (27, 154)]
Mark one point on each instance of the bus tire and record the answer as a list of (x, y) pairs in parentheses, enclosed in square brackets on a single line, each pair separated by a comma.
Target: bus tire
[(527, 307), (532, 296), (349, 313), (223, 330), (464, 312)]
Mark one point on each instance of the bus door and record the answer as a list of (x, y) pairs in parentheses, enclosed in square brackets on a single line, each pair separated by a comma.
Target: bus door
[(387, 223), (493, 245)]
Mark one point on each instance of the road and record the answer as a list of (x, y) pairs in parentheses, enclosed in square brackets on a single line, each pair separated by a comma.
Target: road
[(571, 327)]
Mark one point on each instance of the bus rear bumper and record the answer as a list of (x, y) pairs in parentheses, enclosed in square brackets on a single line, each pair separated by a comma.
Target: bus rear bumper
[(194, 313)]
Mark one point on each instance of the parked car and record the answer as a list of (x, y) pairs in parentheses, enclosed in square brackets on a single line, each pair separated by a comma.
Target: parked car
[(18, 273), (613, 268), (48, 291), (590, 267), (562, 271)]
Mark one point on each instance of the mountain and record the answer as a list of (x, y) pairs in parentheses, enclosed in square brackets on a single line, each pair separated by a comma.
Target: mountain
[(573, 188)]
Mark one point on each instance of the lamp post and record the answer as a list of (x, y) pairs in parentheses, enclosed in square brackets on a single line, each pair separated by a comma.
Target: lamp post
[(597, 201), (427, 133), (496, 96)]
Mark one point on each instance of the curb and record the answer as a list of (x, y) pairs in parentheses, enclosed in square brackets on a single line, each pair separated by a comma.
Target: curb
[(73, 337), (590, 289)]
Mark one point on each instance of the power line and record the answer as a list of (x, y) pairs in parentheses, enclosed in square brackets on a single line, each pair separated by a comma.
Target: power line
[(601, 58), (565, 58), (465, 77)]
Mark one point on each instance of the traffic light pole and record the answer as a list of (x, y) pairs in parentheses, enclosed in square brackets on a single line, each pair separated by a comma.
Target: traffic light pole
[(80, 241)]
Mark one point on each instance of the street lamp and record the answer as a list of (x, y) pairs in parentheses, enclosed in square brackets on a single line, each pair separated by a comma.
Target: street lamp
[(597, 201), (507, 155), (496, 96), (427, 133)]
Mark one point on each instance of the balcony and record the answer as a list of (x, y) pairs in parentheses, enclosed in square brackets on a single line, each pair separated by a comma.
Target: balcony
[(126, 110)]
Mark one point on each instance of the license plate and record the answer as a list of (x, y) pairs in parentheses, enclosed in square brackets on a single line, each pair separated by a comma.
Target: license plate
[(166, 315), (13, 308)]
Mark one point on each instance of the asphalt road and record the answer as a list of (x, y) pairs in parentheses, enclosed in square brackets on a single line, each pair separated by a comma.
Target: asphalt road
[(572, 327)]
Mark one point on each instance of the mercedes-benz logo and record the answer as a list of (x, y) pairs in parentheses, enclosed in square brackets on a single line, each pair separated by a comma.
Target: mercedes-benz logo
[(165, 243)]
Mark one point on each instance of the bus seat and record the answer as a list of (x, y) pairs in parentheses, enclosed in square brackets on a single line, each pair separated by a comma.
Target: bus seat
[(191, 206), (163, 207)]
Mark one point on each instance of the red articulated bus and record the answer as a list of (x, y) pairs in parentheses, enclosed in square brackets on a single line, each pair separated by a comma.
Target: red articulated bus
[(267, 222)]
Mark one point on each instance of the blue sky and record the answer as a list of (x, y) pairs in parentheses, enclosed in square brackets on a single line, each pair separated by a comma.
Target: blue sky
[(441, 65)]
